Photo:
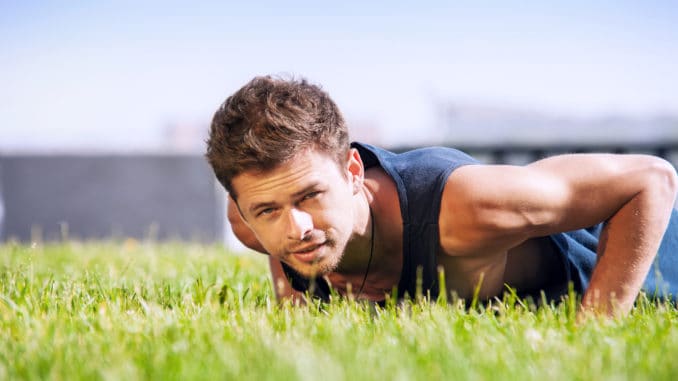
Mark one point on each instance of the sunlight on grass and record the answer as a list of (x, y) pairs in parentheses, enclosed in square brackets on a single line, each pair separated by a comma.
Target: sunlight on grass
[(133, 310)]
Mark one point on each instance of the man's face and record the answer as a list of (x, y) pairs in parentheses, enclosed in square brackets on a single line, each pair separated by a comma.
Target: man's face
[(302, 211)]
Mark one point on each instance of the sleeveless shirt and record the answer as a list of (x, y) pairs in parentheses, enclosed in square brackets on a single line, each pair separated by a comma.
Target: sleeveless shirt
[(420, 176)]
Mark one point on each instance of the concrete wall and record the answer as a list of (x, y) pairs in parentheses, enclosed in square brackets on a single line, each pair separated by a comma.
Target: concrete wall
[(110, 196), (158, 196)]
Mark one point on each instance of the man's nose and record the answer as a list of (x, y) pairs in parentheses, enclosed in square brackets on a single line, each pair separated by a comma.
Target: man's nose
[(300, 224)]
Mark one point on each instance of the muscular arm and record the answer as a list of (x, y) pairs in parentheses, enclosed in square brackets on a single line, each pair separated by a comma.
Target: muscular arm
[(495, 208), (281, 286)]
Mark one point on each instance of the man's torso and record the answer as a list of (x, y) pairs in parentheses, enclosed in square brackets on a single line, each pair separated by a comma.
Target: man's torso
[(529, 266)]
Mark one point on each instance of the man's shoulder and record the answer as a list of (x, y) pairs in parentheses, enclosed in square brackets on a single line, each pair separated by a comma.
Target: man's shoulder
[(413, 158)]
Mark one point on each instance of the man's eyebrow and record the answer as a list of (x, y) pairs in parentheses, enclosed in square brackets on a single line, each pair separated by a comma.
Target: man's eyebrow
[(306, 189)]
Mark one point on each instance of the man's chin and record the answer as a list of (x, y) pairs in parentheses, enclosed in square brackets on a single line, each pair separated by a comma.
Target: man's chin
[(323, 261), (314, 270)]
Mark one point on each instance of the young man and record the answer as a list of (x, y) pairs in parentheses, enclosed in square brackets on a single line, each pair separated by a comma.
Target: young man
[(365, 221)]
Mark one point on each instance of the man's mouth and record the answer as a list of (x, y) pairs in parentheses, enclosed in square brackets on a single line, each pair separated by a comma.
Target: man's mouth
[(308, 254)]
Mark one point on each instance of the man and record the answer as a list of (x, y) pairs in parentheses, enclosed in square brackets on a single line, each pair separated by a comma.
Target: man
[(366, 222)]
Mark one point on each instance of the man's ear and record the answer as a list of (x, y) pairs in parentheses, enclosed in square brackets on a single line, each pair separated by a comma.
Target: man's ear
[(355, 170)]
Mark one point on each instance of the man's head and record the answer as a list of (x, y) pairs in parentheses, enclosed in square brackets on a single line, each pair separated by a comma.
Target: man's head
[(281, 150), (304, 212), (267, 122)]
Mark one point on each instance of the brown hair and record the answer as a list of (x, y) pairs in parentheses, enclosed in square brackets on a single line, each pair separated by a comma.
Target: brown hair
[(270, 120)]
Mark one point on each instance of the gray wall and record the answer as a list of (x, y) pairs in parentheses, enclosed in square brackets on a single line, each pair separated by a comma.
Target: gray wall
[(110, 196), (160, 196)]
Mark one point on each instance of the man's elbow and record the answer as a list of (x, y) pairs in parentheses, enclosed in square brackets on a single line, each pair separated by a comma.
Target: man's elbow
[(662, 181)]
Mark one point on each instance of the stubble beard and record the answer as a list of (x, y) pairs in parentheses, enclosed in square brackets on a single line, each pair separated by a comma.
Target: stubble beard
[(324, 265)]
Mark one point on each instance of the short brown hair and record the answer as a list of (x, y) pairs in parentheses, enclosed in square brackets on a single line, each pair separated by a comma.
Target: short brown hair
[(267, 122)]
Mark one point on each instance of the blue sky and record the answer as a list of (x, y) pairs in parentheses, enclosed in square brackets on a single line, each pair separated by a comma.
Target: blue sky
[(112, 75)]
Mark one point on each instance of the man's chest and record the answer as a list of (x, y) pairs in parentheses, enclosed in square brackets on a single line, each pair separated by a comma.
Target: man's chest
[(530, 266)]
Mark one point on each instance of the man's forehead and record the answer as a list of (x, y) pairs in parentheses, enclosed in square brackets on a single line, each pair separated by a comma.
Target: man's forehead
[(301, 171)]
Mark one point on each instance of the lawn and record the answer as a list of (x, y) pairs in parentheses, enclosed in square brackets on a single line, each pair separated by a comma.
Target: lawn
[(134, 310)]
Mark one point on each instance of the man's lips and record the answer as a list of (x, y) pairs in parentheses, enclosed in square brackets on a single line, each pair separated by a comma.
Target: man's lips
[(307, 253)]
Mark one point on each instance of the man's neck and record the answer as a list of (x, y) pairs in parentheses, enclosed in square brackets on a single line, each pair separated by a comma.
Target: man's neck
[(378, 206), (360, 246)]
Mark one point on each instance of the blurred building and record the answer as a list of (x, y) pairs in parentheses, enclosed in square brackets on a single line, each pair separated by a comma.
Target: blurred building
[(173, 194), (466, 123), (103, 196), (185, 137)]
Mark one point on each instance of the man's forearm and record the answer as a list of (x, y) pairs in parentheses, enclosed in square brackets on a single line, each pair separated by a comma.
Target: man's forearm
[(627, 248)]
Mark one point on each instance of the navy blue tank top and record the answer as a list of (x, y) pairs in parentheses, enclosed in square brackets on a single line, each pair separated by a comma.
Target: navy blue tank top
[(420, 176)]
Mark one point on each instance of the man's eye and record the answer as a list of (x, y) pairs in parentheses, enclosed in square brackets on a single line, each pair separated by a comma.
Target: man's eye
[(265, 212), (311, 195)]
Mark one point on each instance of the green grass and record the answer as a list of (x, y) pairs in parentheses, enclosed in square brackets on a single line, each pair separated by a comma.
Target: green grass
[(130, 310)]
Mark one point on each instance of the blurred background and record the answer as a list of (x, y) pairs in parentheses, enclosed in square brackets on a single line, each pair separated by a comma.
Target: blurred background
[(104, 106)]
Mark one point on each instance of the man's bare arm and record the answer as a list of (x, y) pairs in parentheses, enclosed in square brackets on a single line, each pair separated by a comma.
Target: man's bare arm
[(281, 286), (495, 208)]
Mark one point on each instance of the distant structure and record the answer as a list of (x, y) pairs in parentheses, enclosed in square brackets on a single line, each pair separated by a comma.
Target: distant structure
[(463, 123), (2, 210), (173, 194), (185, 137), (364, 130), (108, 196)]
